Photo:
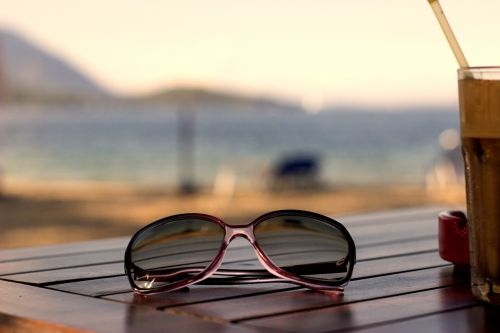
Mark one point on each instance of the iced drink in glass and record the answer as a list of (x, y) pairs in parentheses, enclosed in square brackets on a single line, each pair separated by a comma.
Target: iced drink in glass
[(479, 93)]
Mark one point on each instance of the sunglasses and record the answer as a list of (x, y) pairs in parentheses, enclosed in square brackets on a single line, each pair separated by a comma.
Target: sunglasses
[(294, 246)]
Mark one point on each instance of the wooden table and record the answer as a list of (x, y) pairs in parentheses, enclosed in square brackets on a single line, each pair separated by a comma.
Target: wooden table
[(400, 284)]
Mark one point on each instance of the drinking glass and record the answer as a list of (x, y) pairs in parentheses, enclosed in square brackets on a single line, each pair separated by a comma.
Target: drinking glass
[(479, 95)]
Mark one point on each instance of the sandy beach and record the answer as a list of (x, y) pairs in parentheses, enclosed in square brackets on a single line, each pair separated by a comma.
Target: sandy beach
[(47, 213)]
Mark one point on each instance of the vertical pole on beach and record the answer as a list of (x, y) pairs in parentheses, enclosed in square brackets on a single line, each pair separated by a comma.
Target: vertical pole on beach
[(185, 148), (2, 73), (2, 97)]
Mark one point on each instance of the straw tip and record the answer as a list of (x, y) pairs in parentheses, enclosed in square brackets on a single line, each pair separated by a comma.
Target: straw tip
[(431, 1)]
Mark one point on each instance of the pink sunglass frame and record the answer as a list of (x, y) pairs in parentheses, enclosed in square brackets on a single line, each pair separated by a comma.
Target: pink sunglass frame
[(245, 231)]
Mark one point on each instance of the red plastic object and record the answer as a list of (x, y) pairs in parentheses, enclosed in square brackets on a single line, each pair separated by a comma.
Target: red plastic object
[(453, 238)]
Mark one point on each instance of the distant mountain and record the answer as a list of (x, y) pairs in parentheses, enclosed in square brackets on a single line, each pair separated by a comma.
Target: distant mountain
[(206, 97), (30, 73)]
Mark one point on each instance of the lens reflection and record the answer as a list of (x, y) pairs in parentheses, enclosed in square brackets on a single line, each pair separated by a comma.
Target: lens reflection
[(174, 251), (305, 246)]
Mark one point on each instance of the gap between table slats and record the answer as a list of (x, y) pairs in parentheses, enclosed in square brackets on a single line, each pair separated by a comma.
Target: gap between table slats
[(289, 301), (370, 312)]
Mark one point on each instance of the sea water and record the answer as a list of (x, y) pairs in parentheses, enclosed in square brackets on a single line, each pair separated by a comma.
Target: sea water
[(139, 144)]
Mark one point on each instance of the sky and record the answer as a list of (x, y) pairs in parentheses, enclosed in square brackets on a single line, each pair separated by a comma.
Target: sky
[(366, 52)]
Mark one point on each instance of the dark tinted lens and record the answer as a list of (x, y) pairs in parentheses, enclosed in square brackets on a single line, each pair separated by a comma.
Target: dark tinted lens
[(174, 251), (309, 247)]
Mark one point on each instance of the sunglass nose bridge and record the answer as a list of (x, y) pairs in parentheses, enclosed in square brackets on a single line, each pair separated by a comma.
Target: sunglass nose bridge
[(239, 231)]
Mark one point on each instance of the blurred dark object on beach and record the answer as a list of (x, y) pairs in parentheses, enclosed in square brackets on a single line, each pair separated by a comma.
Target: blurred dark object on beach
[(298, 171)]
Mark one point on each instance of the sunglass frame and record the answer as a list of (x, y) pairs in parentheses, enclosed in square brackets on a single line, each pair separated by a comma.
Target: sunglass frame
[(246, 231)]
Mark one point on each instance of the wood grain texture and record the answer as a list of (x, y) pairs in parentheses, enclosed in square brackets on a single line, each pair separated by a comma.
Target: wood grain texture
[(401, 215), (400, 284), (90, 314), (477, 319), (15, 324), (361, 314), (244, 308), (96, 287), (417, 245), (63, 249), (31, 260), (66, 261), (68, 274), (213, 293), (202, 294), (115, 287), (106, 270)]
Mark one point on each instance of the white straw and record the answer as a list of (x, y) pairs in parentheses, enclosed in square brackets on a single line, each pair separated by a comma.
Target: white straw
[(450, 36)]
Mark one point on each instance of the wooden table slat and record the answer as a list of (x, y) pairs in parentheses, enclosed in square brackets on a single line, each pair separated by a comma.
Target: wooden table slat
[(372, 235), (403, 216), (86, 313), (67, 261), (244, 308), (38, 252), (370, 312), (369, 268), (377, 236), (112, 285), (362, 269), (470, 319), (391, 216)]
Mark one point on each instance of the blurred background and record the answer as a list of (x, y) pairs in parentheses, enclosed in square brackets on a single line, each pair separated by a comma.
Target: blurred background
[(114, 114)]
